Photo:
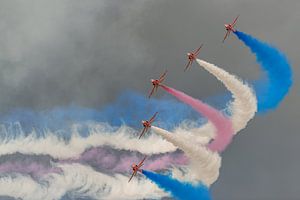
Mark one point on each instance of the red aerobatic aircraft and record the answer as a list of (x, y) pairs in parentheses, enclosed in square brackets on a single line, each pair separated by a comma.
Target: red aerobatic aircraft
[(192, 56), (230, 27), (136, 168), (147, 124), (157, 82)]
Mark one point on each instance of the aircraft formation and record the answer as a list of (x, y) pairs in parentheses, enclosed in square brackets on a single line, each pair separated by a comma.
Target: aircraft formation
[(191, 56)]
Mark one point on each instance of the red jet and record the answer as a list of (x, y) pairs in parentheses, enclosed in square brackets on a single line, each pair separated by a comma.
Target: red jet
[(136, 168), (192, 56), (157, 82), (230, 27), (147, 124)]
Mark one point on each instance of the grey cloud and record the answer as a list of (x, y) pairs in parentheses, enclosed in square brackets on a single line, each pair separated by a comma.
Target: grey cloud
[(86, 52)]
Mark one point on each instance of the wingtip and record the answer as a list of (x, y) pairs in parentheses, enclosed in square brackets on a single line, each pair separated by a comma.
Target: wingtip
[(186, 68)]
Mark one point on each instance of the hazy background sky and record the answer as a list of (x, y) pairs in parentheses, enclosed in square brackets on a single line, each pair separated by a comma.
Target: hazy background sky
[(58, 52)]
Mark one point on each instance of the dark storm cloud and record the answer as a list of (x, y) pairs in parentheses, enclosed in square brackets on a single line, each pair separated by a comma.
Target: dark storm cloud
[(85, 52), (61, 52)]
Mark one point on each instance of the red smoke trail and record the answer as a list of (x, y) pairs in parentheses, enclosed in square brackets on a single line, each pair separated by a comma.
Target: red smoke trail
[(223, 125)]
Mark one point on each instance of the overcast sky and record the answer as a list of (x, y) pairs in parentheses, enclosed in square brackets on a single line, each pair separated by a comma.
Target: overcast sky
[(53, 53)]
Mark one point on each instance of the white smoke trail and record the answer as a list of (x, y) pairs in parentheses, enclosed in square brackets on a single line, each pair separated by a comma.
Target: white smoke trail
[(123, 139), (244, 106), (204, 164), (79, 181), (22, 187)]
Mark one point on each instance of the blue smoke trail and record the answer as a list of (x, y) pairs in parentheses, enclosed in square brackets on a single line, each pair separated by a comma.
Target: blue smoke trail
[(277, 68), (179, 190), (130, 108)]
